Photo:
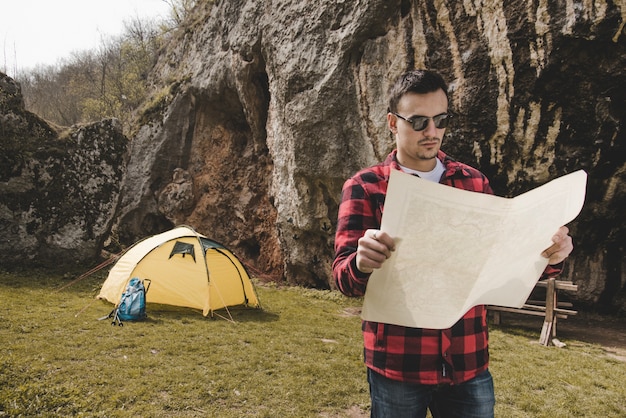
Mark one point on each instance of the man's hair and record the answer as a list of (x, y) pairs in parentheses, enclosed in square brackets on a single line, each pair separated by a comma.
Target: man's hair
[(416, 81)]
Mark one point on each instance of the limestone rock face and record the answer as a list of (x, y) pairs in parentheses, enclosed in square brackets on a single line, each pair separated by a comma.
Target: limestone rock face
[(272, 105), (262, 109), (57, 193)]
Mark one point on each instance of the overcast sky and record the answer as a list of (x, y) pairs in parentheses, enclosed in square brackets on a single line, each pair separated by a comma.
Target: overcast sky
[(40, 32)]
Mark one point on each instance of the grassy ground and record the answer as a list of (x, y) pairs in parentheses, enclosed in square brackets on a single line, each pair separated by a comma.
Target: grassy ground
[(298, 357)]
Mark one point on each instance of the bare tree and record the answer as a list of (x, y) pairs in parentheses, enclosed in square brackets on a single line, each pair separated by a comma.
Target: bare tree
[(179, 10), (109, 82)]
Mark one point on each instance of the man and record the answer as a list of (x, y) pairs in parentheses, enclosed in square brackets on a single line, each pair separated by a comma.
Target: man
[(412, 370)]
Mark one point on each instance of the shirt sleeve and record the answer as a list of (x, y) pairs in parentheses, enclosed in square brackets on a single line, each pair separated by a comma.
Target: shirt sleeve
[(359, 211), (552, 270)]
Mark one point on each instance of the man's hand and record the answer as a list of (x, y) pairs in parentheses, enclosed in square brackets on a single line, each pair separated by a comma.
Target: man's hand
[(374, 248), (561, 248)]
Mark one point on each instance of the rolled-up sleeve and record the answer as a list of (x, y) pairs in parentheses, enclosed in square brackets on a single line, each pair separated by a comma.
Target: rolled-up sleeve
[(362, 198)]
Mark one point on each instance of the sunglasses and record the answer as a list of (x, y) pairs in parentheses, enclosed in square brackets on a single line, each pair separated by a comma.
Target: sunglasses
[(419, 123)]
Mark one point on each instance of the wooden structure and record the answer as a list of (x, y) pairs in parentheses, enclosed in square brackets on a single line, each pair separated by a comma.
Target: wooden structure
[(551, 308)]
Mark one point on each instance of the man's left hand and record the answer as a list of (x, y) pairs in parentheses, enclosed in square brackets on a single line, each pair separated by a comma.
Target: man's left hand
[(561, 248)]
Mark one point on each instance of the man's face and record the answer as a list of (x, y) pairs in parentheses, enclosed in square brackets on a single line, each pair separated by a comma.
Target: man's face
[(418, 149)]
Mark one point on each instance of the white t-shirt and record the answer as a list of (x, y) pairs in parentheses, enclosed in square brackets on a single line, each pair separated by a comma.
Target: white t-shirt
[(433, 175)]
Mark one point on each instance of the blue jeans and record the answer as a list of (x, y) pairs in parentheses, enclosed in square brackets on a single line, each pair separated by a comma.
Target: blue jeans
[(392, 399)]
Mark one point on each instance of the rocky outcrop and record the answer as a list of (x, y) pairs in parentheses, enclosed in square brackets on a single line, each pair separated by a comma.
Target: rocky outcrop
[(270, 106), (58, 192), (263, 109)]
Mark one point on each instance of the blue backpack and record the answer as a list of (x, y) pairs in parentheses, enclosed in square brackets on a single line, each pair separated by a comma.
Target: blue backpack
[(132, 306)]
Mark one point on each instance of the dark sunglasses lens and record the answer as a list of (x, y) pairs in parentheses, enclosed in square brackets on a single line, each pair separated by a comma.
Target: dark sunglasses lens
[(441, 121), (420, 123)]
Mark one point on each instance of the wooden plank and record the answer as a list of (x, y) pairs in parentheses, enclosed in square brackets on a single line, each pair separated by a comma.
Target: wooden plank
[(543, 303), (517, 310), (548, 330), (536, 302), (495, 309), (543, 308), (496, 317), (559, 284), (567, 287)]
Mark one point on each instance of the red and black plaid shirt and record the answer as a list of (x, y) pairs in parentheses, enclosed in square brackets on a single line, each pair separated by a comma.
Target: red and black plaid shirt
[(425, 356)]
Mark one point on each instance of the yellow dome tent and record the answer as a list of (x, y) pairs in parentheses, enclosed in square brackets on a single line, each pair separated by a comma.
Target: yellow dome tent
[(185, 269)]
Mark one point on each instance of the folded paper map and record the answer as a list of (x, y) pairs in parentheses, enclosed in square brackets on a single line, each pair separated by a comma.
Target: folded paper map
[(456, 249)]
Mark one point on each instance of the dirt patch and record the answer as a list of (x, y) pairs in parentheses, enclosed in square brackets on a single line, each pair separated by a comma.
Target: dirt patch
[(350, 311), (608, 332), (352, 412)]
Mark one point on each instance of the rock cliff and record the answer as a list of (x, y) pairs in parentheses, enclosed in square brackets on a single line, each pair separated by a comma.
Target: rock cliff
[(262, 109), (267, 107)]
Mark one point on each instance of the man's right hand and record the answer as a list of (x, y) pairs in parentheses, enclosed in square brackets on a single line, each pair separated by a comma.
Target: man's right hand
[(374, 249)]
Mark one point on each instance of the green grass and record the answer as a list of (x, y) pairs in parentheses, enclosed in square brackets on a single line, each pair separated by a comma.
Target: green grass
[(301, 356), (531, 380)]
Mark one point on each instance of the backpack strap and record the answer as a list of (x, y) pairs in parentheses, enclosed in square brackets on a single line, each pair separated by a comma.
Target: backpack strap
[(148, 286)]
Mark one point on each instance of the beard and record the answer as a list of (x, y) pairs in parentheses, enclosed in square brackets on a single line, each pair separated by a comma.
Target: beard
[(428, 148)]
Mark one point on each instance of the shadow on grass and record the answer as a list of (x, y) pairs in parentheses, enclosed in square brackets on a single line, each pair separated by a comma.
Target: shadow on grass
[(158, 314), (242, 314)]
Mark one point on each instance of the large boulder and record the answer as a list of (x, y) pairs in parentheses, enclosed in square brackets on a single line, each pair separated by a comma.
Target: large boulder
[(58, 191)]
